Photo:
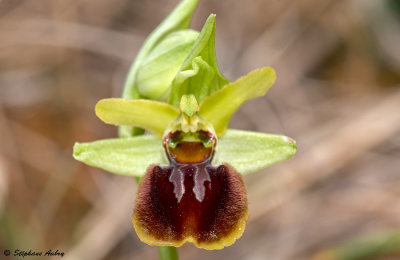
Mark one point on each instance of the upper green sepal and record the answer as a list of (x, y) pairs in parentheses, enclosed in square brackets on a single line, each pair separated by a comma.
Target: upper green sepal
[(199, 74), (159, 68), (178, 19)]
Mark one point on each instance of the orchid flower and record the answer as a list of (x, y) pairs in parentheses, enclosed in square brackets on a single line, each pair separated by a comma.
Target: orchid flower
[(191, 165)]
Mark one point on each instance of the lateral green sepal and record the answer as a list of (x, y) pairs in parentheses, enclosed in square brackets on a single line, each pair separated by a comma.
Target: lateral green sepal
[(249, 151), (125, 156)]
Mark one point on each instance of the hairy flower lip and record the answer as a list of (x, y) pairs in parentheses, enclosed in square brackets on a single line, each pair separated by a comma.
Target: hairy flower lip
[(190, 200), (159, 219)]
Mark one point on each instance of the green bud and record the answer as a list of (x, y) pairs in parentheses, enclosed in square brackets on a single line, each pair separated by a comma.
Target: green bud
[(160, 66)]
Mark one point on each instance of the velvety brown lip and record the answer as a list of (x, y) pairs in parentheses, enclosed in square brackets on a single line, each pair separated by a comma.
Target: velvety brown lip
[(216, 221), (190, 200)]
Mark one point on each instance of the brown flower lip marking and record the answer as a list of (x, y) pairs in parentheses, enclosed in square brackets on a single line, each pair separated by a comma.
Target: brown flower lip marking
[(190, 200)]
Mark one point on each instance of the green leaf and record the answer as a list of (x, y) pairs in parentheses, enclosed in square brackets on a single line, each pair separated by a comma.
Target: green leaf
[(250, 151), (126, 156), (152, 115), (199, 74), (221, 105), (178, 19)]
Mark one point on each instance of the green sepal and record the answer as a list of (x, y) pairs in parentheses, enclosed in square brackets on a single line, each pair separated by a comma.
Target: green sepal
[(125, 156), (158, 69), (178, 19), (246, 151), (149, 114), (221, 105), (251, 151), (199, 74)]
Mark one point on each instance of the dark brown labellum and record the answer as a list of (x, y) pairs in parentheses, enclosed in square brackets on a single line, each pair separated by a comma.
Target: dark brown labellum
[(216, 221), (190, 200)]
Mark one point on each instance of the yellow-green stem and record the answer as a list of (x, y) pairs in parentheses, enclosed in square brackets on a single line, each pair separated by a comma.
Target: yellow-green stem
[(167, 253)]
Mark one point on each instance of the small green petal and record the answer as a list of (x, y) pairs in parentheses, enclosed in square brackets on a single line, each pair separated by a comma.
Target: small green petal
[(220, 106), (126, 156), (148, 114), (199, 74), (251, 151)]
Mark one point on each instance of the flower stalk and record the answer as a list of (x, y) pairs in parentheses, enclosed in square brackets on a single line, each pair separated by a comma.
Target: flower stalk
[(167, 253)]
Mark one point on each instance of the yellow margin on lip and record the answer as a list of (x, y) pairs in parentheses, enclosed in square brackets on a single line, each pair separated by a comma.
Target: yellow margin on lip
[(220, 244)]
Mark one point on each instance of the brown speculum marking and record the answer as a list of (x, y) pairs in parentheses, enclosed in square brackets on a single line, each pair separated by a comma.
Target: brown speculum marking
[(190, 200), (193, 157)]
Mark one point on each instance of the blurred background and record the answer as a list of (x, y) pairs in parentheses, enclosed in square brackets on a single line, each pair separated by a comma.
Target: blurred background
[(337, 94)]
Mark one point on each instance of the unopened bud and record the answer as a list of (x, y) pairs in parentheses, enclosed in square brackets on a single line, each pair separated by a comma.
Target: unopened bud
[(159, 68)]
